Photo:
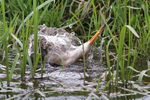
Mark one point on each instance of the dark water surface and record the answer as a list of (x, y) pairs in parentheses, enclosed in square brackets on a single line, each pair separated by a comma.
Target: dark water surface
[(67, 85)]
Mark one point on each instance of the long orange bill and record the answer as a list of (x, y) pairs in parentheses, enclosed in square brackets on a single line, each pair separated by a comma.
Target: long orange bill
[(98, 32)]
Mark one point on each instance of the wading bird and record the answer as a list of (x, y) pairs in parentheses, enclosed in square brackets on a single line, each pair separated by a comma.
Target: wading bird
[(57, 44)]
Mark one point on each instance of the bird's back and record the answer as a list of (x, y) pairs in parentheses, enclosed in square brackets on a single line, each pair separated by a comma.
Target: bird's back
[(52, 40)]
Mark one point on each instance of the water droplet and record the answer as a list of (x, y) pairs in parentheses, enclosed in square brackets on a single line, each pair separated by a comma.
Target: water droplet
[(72, 33), (70, 25)]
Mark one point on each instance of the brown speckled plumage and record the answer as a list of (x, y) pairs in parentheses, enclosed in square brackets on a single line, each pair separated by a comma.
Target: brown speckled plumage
[(54, 41)]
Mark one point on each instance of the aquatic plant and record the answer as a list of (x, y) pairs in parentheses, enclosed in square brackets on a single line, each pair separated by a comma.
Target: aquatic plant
[(126, 38)]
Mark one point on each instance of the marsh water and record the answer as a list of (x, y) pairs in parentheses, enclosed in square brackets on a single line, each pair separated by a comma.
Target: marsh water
[(69, 83)]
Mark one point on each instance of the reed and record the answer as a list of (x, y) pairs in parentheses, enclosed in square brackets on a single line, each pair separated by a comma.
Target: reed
[(6, 31), (35, 14), (5, 43), (23, 62)]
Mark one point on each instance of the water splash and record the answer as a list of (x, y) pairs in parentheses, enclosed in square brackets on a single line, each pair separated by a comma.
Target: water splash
[(70, 26)]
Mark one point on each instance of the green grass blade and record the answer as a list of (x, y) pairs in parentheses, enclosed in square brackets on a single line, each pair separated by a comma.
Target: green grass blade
[(120, 60), (13, 66), (1, 82), (20, 5), (41, 93), (58, 56), (3, 38), (107, 58), (5, 41), (36, 63), (74, 15), (141, 75), (35, 30), (108, 83), (63, 7), (115, 43), (41, 59), (24, 47), (98, 83), (20, 43), (30, 64), (132, 30), (43, 13), (133, 69), (28, 57), (39, 7), (129, 44)]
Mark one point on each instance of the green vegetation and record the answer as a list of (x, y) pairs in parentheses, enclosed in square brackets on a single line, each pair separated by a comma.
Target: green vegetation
[(127, 37)]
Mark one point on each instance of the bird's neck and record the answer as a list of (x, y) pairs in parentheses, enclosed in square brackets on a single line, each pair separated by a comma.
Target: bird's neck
[(73, 55)]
